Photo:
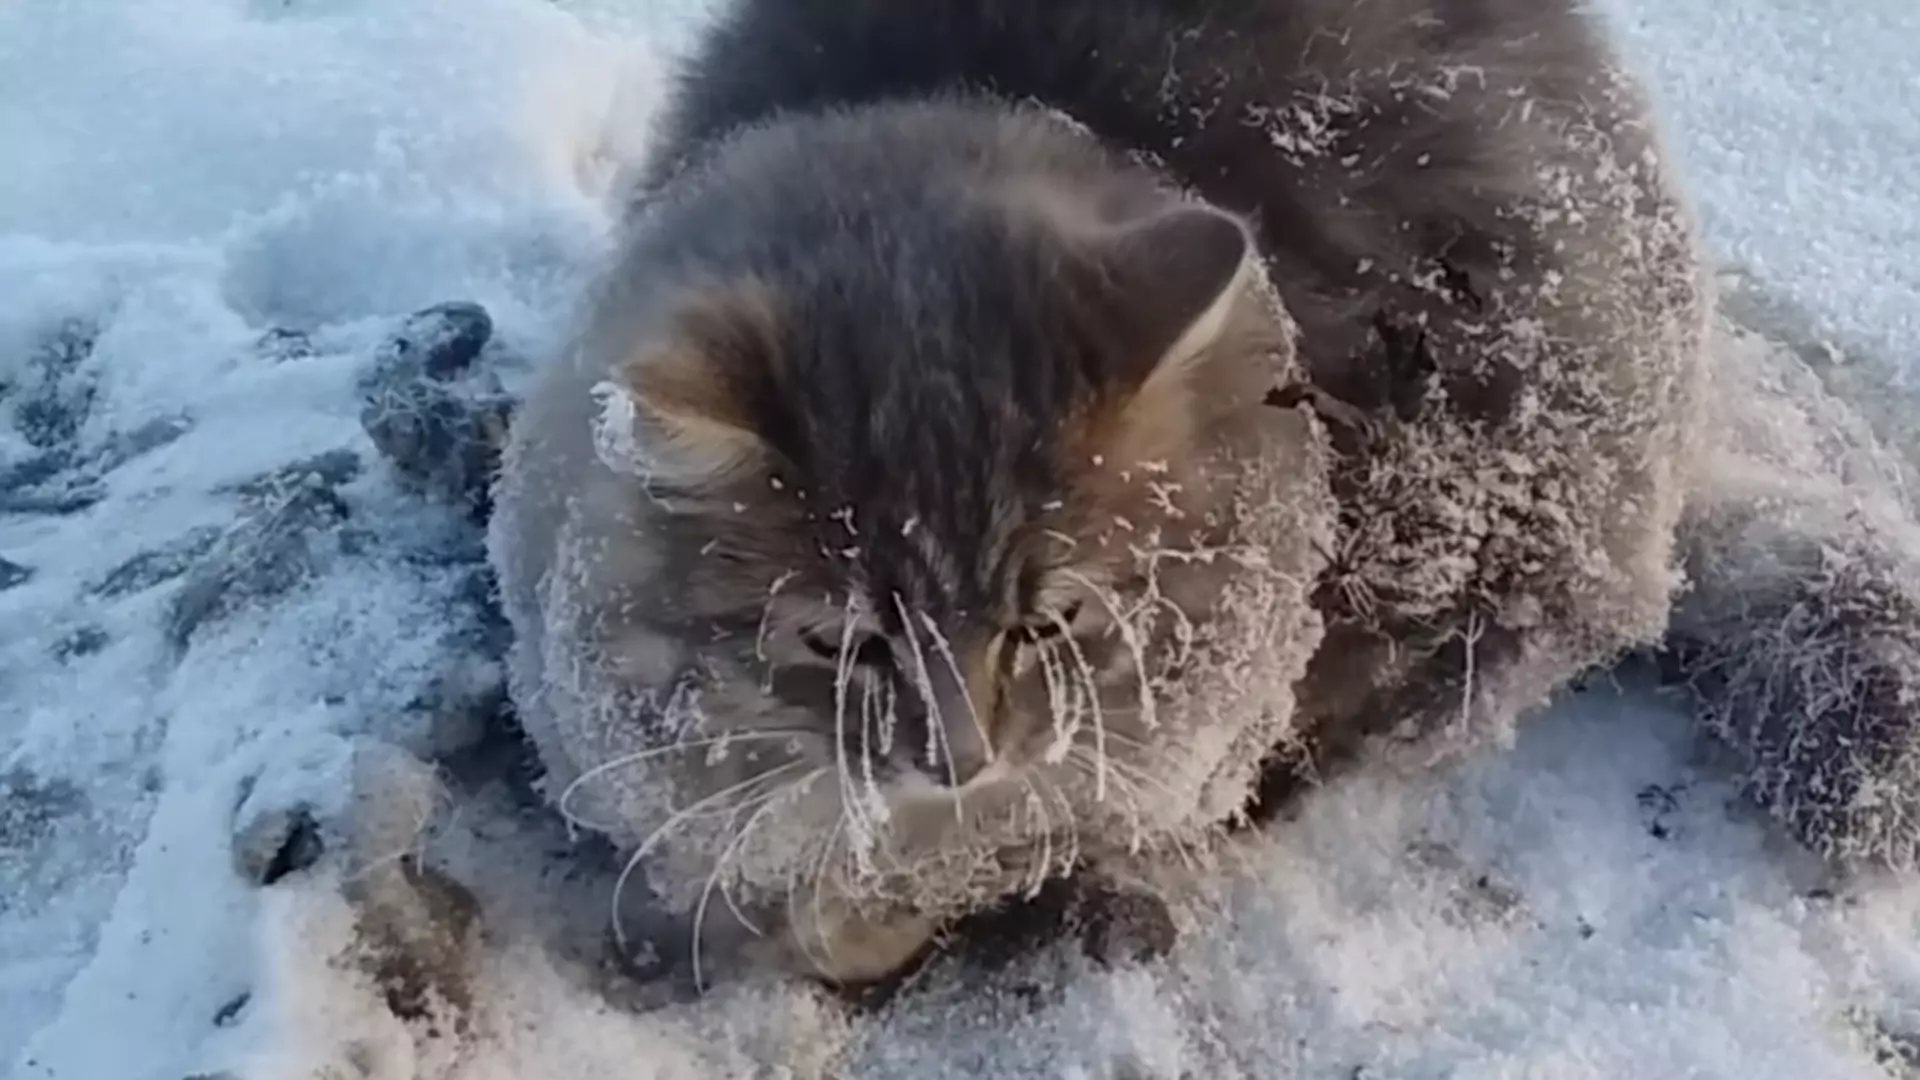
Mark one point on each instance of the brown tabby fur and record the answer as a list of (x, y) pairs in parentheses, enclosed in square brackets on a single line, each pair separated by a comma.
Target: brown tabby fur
[(921, 448)]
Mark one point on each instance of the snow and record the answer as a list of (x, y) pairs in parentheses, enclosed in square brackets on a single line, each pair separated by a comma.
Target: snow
[(1798, 125), (187, 175)]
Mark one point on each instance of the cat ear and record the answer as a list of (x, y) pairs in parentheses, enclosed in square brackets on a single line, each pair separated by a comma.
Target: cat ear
[(1176, 276), (1168, 286), (686, 409)]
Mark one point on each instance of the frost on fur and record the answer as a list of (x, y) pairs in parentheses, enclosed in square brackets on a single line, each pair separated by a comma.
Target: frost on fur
[(1507, 522), (816, 852), (1503, 521), (1800, 635)]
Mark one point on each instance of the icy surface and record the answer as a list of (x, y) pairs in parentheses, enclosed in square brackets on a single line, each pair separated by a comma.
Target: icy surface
[(214, 212)]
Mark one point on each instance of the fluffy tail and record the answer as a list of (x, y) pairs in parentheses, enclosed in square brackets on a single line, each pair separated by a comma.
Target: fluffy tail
[(1799, 634)]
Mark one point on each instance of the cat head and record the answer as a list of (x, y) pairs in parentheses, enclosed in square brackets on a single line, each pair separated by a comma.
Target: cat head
[(939, 465)]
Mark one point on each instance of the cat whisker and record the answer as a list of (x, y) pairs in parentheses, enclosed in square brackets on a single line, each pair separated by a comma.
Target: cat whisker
[(625, 760), (1065, 720), (937, 739), (842, 842), (1126, 792), (850, 796), (1073, 824), (1140, 776), (1038, 805), (759, 807), (877, 715), (675, 821), (1135, 780), (796, 931), (766, 805), (1130, 742), (870, 747), (945, 649), (1187, 850), (1184, 633), (1092, 691), (1080, 696), (1127, 740), (766, 615), (1129, 636)]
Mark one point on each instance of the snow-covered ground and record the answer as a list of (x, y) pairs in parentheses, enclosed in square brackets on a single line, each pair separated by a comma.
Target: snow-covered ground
[(213, 213)]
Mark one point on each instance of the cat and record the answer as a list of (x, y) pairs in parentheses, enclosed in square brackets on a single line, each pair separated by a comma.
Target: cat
[(1008, 432)]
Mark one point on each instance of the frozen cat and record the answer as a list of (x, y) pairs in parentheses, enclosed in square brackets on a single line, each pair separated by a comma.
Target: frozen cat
[(1008, 429)]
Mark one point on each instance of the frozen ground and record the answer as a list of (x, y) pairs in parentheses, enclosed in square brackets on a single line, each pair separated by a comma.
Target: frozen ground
[(212, 214)]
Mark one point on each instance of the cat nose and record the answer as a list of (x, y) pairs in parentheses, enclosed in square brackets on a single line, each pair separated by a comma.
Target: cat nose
[(946, 701), (968, 757), (951, 744), (950, 753)]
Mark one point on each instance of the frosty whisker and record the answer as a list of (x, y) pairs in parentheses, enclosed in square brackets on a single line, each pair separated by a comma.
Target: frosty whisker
[(1131, 781), (945, 648), (1073, 824), (1129, 636), (1060, 705), (1092, 691), (833, 838), (851, 797), (766, 805), (937, 740), (674, 821), (1129, 797), (1038, 805), (625, 760)]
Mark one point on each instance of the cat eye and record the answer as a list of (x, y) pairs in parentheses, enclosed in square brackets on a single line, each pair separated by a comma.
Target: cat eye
[(865, 650)]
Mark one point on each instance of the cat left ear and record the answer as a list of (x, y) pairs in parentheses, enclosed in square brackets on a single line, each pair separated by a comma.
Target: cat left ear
[(1176, 276), (687, 408)]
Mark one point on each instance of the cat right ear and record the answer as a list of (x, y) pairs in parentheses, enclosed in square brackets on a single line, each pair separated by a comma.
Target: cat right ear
[(1185, 270), (684, 411), (1166, 288), (1175, 277)]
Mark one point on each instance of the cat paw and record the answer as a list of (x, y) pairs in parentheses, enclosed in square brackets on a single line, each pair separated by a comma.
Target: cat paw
[(859, 951)]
